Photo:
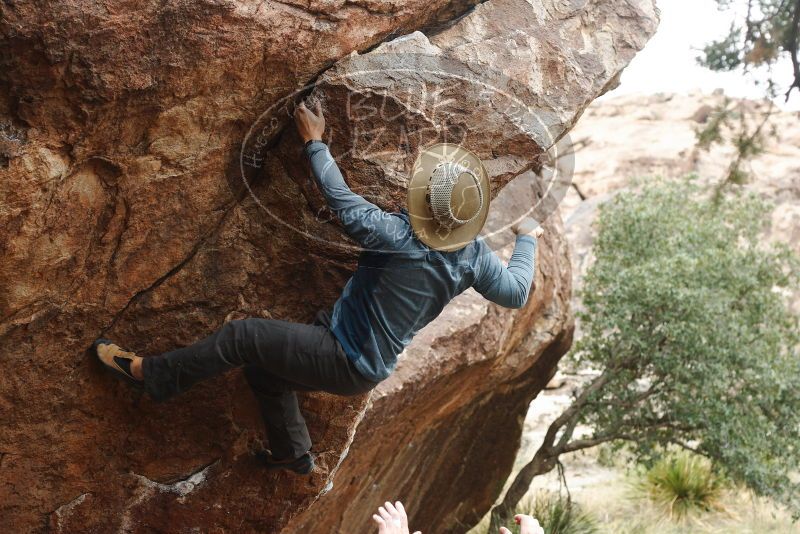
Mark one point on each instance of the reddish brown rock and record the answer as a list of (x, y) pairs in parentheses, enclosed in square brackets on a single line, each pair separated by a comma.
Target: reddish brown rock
[(123, 213)]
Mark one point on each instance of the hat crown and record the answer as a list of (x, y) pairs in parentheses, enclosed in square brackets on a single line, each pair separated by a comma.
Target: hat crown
[(454, 194), (448, 196)]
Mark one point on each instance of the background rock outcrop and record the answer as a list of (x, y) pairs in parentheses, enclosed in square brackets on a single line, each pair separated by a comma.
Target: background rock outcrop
[(149, 190), (644, 136)]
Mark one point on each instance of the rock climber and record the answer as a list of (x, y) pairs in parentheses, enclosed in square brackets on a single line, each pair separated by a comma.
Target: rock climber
[(411, 265)]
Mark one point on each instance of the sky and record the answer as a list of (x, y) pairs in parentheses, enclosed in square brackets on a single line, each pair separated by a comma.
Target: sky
[(668, 64)]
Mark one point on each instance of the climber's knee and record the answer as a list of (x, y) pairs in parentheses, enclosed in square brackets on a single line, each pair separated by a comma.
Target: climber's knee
[(239, 330)]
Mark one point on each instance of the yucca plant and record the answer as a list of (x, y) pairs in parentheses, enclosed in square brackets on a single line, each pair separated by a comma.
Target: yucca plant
[(683, 484)]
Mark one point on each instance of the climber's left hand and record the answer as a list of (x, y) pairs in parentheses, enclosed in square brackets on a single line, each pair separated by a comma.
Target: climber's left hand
[(392, 519), (310, 125)]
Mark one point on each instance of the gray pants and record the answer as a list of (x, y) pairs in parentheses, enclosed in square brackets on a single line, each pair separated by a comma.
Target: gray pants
[(278, 357)]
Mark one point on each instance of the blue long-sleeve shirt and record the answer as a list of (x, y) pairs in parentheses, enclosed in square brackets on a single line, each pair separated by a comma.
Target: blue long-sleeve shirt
[(401, 284)]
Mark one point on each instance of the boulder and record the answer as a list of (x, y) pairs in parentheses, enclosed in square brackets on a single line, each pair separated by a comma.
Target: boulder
[(151, 189)]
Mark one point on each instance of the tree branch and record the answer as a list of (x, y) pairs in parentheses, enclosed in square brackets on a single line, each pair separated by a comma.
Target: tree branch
[(745, 139), (748, 22), (574, 409), (686, 447), (792, 45), (566, 435), (577, 189), (587, 443), (630, 403)]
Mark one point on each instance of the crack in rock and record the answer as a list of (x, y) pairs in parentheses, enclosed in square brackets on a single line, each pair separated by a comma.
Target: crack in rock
[(183, 486), (63, 512), (148, 488)]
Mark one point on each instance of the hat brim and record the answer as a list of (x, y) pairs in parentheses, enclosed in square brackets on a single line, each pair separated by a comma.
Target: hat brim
[(427, 229)]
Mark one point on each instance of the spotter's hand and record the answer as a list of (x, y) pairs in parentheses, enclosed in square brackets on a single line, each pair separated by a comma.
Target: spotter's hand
[(310, 125), (392, 519), (527, 525)]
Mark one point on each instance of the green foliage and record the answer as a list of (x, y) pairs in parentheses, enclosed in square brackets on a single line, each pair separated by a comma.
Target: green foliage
[(607, 455), (685, 314), (745, 129), (724, 54), (711, 133), (683, 484), (555, 514), (769, 28)]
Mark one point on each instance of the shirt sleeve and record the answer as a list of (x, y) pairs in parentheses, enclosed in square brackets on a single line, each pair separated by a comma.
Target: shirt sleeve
[(507, 286), (366, 223)]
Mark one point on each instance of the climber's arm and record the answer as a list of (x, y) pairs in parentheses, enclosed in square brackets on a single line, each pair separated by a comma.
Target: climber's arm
[(365, 222), (507, 286)]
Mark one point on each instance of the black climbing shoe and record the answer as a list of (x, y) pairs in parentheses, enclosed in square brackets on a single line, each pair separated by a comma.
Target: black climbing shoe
[(302, 466), (116, 360)]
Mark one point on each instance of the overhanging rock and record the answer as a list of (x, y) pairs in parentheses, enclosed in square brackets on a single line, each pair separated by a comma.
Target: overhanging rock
[(124, 212)]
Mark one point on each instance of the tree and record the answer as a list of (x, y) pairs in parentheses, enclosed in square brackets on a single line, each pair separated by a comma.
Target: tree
[(744, 125), (769, 29), (687, 320)]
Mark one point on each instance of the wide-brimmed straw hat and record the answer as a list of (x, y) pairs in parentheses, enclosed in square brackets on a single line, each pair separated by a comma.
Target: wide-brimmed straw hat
[(448, 196)]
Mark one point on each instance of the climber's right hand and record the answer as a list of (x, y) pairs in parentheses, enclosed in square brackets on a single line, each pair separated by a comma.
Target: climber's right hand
[(527, 525), (310, 125)]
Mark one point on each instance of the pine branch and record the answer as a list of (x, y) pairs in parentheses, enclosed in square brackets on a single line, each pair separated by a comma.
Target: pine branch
[(792, 45)]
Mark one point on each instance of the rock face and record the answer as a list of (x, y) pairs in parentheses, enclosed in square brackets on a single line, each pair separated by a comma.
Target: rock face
[(150, 190)]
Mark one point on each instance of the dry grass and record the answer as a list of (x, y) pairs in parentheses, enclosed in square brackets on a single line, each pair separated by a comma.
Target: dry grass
[(617, 512), (602, 485), (608, 493)]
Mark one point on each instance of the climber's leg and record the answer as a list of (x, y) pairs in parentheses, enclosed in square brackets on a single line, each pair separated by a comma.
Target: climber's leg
[(236, 343), (305, 354), (286, 429)]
